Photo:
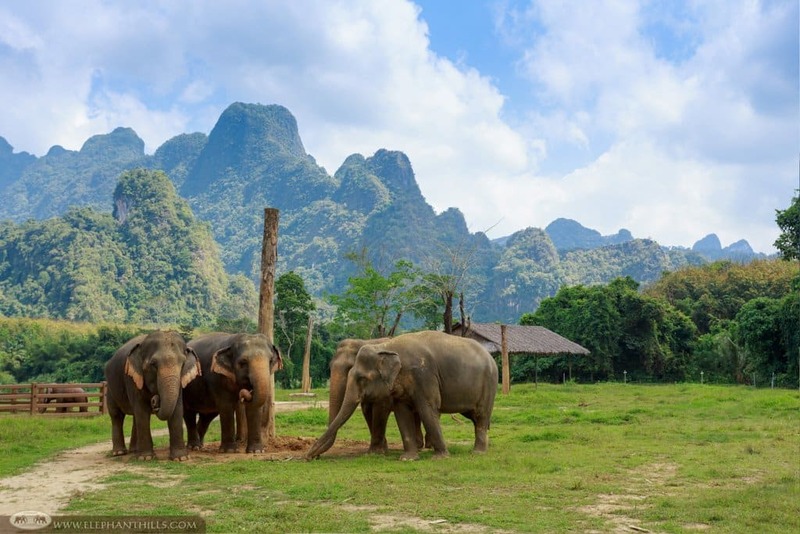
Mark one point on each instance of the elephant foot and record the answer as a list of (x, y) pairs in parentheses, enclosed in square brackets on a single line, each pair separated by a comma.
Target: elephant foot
[(119, 452), (147, 457), (229, 448), (179, 457), (197, 446), (255, 448), (409, 457), (378, 450), (438, 455)]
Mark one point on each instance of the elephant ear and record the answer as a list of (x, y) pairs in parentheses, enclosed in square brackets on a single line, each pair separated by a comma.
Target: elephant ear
[(191, 367), (222, 364), (388, 365), (276, 361), (133, 367)]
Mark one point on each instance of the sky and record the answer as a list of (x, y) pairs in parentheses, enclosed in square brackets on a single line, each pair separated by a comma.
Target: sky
[(673, 119)]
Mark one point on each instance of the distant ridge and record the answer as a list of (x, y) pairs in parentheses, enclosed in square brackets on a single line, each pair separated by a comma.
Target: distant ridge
[(254, 158)]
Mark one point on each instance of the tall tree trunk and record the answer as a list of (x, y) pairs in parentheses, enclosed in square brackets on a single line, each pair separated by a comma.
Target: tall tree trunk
[(266, 311), (464, 325), (448, 311)]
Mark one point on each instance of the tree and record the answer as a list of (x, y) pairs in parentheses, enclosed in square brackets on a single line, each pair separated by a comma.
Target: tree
[(293, 305), (788, 243), (760, 334), (373, 304), (623, 329)]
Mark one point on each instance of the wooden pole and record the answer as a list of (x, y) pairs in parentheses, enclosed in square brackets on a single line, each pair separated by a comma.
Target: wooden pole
[(506, 364), (307, 358), (266, 310)]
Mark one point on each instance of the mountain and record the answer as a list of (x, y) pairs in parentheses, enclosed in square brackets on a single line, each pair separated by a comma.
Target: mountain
[(711, 249), (254, 158), (150, 262), (570, 235)]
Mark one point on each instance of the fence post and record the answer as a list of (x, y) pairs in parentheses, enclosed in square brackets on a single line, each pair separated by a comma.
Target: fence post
[(34, 395), (103, 385)]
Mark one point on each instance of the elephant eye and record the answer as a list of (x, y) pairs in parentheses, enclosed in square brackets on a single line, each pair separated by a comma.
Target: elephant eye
[(241, 364)]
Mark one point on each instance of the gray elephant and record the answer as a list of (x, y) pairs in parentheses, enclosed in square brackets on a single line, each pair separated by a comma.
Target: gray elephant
[(376, 413), (147, 375), (236, 371), (77, 395), (425, 372)]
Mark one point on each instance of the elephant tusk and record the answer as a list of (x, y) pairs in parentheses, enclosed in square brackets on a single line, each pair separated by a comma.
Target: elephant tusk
[(245, 395)]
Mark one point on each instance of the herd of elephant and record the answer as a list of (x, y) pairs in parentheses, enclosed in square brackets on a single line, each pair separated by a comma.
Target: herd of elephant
[(418, 376)]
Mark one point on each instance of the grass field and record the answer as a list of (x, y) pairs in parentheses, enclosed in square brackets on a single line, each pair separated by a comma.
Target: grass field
[(565, 458)]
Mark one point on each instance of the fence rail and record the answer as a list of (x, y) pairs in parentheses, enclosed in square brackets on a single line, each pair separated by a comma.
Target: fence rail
[(50, 399)]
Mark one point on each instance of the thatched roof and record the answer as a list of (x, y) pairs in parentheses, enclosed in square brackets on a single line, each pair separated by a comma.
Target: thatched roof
[(521, 339)]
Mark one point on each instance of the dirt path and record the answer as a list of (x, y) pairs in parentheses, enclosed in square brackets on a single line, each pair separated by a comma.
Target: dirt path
[(49, 485)]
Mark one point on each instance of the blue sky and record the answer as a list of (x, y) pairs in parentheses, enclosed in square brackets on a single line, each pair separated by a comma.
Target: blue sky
[(671, 119)]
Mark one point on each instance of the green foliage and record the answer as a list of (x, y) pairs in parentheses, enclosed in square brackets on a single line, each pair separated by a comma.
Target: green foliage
[(788, 243), (149, 263), (711, 319), (716, 292), (373, 304), (58, 351), (624, 330), (293, 306)]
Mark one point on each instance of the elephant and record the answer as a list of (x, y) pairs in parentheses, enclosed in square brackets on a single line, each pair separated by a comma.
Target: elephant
[(376, 414), (236, 371), (425, 372), (78, 395), (144, 376)]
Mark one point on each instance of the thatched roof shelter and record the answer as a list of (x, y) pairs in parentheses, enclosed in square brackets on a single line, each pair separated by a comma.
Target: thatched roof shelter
[(534, 340), (521, 339)]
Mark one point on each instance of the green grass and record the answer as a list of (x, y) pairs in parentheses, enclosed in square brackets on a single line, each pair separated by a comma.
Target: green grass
[(672, 458), (25, 439)]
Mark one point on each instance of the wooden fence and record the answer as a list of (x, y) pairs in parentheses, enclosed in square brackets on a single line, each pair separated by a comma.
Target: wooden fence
[(38, 399)]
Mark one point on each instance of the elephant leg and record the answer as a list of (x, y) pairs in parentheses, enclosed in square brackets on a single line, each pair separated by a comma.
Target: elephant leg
[(192, 435), (117, 434), (241, 423), (202, 426), (83, 408), (177, 447), (422, 441), (254, 442), (144, 439), (378, 413), (405, 422), (134, 446), (481, 422), (226, 424), (433, 429)]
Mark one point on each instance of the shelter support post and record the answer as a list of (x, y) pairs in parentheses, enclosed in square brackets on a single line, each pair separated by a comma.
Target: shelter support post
[(506, 363)]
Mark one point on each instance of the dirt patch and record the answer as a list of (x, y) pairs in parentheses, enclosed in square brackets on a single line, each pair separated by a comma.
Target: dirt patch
[(647, 481)]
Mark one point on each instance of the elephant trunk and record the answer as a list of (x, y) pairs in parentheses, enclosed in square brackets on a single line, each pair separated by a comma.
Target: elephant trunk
[(259, 379), (169, 388), (337, 390), (326, 441)]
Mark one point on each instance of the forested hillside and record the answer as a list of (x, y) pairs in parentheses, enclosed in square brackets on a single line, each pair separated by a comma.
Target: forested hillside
[(148, 262), (371, 207)]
